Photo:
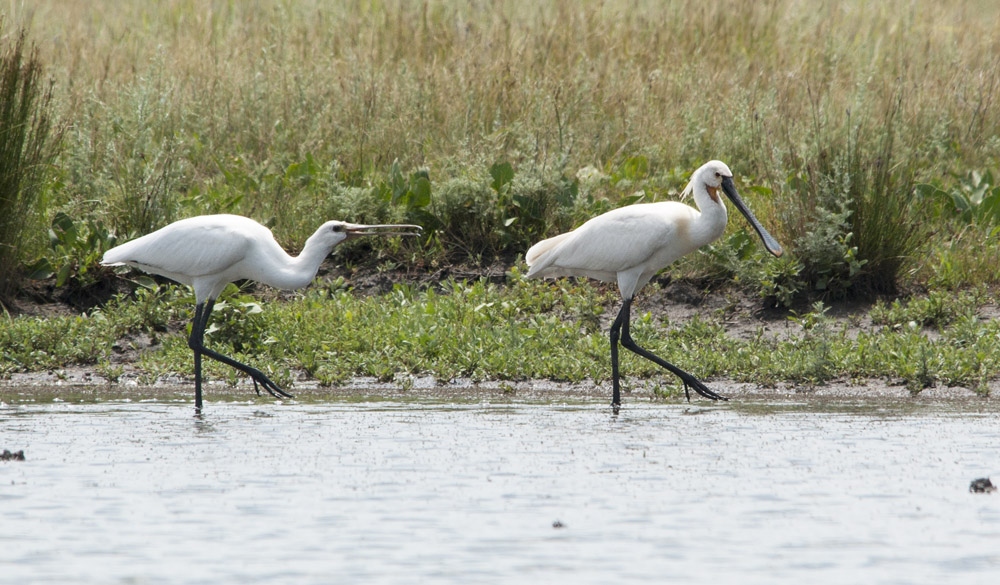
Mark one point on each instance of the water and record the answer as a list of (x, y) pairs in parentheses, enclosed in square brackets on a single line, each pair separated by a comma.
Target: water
[(426, 492)]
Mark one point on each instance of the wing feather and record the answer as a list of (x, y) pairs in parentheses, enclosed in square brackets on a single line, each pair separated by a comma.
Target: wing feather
[(192, 247), (613, 242)]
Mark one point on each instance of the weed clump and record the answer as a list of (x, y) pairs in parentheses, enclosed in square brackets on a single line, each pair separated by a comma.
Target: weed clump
[(26, 147)]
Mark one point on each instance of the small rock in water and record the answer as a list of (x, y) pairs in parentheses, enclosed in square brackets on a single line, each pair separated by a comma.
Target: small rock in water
[(558, 524), (15, 456), (983, 485)]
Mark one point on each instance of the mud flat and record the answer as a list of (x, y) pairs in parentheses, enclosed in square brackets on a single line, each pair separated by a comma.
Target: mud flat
[(85, 384)]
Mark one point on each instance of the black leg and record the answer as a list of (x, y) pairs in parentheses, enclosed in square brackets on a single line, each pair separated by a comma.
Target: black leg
[(196, 343), (688, 380), (616, 397)]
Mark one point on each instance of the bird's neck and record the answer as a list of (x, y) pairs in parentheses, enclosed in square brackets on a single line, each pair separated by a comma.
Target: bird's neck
[(712, 222), (300, 270)]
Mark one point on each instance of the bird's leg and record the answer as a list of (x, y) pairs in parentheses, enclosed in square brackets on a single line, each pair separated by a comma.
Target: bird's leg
[(256, 375), (616, 326), (688, 379), (196, 343)]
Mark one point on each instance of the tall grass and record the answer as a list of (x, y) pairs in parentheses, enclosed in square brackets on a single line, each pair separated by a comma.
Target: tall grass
[(188, 106), (848, 205), (24, 149)]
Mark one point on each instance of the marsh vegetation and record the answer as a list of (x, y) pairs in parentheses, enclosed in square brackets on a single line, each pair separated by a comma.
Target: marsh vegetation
[(864, 136)]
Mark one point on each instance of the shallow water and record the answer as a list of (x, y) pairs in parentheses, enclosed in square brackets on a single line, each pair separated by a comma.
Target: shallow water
[(411, 492)]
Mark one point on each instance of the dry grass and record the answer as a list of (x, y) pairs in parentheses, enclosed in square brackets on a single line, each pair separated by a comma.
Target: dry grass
[(446, 83), (174, 102)]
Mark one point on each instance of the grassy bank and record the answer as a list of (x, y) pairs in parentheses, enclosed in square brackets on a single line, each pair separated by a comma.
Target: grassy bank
[(520, 330), (864, 136)]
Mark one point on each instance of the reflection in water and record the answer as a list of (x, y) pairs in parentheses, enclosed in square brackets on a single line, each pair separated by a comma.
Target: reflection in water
[(203, 424), (512, 493)]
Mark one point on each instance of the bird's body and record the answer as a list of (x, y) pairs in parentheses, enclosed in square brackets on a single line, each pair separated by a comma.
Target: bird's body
[(208, 252), (630, 244)]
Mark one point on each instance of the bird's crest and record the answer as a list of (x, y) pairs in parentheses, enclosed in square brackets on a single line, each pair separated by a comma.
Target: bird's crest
[(687, 190)]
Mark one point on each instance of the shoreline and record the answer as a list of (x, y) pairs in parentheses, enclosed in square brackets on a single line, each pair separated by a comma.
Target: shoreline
[(89, 385)]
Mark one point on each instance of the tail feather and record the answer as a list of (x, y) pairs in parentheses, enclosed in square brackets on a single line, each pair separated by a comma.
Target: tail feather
[(118, 255), (535, 257)]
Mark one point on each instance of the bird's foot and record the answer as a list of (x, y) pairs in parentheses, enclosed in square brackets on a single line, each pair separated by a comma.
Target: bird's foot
[(260, 379), (700, 388)]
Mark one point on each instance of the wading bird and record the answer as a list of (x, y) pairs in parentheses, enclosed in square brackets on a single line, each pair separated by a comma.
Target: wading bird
[(208, 252), (631, 244)]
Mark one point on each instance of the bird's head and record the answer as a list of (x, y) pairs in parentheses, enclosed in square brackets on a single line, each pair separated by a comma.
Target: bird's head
[(711, 175), (335, 232), (715, 175)]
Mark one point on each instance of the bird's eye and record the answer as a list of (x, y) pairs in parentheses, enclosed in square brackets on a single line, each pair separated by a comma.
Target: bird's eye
[(718, 174), (338, 228)]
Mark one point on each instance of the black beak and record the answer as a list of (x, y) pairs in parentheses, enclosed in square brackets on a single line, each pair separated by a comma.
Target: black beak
[(770, 243), (354, 230)]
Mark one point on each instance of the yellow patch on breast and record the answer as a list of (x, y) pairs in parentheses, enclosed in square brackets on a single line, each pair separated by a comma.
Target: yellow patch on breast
[(713, 192)]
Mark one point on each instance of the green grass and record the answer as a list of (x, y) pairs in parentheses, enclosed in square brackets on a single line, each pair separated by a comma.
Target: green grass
[(863, 134), (518, 331), (292, 111)]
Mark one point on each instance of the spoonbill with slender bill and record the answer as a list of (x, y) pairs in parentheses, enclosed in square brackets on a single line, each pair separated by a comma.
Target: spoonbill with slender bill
[(208, 252)]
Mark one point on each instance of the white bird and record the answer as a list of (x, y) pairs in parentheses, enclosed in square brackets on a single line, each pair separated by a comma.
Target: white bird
[(631, 244), (208, 252)]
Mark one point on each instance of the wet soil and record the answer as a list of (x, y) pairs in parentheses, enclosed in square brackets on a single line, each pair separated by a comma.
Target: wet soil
[(670, 301), (81, 384)]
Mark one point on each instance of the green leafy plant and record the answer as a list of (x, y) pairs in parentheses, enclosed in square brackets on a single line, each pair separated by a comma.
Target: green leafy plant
[(238, 321), (938, 309), (503, 174), (816, 361), (781, 279), (413, 193), (833, 262), (974, 200), (75, 251), (631, 171)]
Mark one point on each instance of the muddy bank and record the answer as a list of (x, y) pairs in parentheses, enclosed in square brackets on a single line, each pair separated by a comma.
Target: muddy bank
[(83, 384), (671, 301)]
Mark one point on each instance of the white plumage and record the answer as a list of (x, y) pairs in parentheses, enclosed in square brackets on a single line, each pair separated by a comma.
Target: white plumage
[(628, 245), (631, 244), (208, 252)]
